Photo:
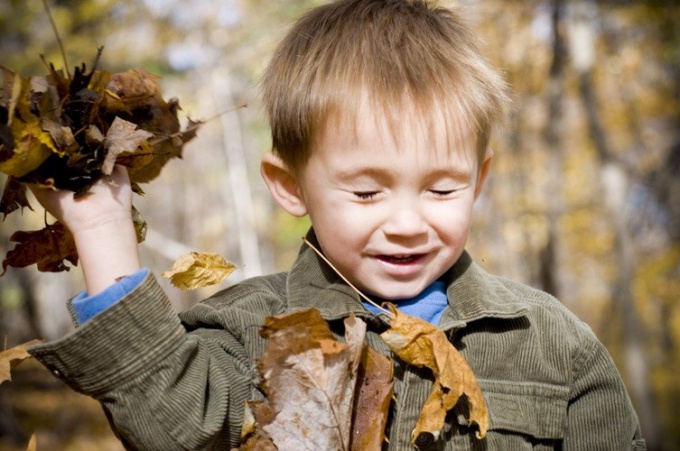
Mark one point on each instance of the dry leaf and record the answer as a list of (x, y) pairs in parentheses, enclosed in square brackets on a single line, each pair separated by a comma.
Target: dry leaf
[(32, 147), (61, 136), (321, 393), (137, 90), (13, 197), (48, 247), (12, 357), (140, 225), (309, 379), (122, 137), (372, 399), (198, 269), (253, 437), (422, 344), (32, 444)]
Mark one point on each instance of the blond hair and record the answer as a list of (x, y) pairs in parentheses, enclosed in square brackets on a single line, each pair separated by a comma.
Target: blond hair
[(394, 50)]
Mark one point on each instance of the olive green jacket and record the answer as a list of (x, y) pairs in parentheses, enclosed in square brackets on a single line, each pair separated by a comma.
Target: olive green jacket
[(169, 382)]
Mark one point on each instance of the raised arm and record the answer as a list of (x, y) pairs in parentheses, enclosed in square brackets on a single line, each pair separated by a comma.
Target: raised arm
[(162, 387), (101, 224)]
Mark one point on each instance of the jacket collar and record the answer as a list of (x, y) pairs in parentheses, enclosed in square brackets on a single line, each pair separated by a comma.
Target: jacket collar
[(472, 293)]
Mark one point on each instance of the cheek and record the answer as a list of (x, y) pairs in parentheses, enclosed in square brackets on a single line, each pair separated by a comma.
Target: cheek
[(343, 230), (451, 224)]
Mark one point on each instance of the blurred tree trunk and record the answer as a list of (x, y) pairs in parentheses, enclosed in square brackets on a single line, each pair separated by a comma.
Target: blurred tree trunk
[(548, 254), (238, 186), (616, 187)]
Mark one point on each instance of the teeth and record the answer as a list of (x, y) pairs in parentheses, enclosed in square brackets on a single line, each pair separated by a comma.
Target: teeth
[(400, 257)]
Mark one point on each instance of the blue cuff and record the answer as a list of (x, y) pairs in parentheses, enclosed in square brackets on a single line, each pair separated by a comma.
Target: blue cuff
[(85, 306)]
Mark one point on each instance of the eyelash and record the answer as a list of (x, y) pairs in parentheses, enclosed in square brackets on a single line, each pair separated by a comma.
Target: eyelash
[(365, 195), (442, 192)]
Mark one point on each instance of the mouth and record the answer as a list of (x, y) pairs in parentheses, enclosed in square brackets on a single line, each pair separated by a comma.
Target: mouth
[(403, 259)]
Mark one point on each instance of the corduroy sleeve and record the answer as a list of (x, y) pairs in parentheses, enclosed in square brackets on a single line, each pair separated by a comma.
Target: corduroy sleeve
[(600, 413), (161, 387)]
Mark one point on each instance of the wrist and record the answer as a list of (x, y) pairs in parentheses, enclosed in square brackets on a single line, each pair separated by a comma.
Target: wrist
[(98, 223), (107, 252)]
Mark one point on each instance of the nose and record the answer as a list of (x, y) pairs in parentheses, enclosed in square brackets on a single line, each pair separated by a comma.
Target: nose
[(405, 220)]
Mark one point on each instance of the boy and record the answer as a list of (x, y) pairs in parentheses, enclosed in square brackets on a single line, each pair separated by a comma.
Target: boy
[(381, 112)]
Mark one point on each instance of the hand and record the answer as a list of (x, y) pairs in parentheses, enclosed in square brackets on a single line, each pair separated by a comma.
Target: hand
[(101, 225), (107, 201)]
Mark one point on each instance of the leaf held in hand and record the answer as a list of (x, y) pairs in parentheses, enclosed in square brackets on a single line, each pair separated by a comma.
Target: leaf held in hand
[(122, 138), (13, 197), (198, 269), (422, 344), (12, 357), (48, 247)]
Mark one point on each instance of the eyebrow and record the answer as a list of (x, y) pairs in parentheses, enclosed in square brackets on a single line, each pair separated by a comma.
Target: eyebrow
[(354, 173), (378, 172), (453, 173)]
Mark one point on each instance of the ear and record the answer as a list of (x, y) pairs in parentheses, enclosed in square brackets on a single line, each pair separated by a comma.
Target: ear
[(283, 185), (483, 172)]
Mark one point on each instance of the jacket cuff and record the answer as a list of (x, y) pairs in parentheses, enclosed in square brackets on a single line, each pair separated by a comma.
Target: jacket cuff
[(117, 345)]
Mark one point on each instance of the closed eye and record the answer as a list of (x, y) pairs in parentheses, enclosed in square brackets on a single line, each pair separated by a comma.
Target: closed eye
[(365, 195), (442, 193)]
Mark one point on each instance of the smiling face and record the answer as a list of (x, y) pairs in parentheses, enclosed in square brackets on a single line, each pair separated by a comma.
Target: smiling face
[(391, 213)]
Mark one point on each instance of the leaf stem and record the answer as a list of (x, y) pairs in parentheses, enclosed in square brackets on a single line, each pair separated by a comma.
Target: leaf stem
[(361, 295), (56, 34), (196, 125)]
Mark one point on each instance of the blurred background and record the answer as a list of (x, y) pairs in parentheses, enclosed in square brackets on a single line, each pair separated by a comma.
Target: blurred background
[(583, 199)]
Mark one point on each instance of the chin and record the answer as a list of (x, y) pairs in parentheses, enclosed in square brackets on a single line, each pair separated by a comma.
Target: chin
[(398, 294)]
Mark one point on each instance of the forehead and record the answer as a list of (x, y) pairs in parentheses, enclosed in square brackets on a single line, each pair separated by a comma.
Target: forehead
[(404, 122)]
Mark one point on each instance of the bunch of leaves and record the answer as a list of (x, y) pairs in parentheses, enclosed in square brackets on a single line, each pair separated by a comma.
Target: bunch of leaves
[(67, 132)]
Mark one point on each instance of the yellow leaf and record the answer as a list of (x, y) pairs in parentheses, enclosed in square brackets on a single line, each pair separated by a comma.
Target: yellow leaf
[(197, 270), (30, 148), (32, 145), (12, 357), (17, 83), (422, 344), (32, 444)]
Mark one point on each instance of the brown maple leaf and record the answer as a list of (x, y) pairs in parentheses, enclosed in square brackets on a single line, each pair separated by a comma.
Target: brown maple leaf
[(253, 437), (372, 399), (422, 344), (48, 248), (12, 357), (309, 378), (123, 137), (134, 95), (13, 197)]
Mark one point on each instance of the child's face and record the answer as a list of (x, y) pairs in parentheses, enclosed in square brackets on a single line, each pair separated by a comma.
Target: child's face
[(391, 215)]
